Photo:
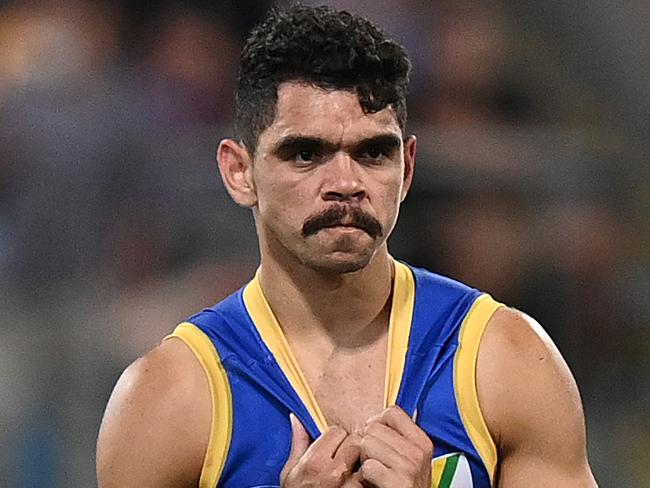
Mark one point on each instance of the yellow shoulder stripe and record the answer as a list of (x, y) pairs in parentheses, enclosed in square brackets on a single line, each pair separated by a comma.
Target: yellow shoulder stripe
[(465, 380), (221, 428), (272, 335), (399, 330)]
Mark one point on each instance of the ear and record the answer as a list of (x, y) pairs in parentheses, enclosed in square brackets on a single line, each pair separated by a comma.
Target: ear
[(410, 144), (236, 168)]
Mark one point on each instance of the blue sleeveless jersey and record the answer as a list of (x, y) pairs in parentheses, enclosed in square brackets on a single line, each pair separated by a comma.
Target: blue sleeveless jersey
[(434, 333)]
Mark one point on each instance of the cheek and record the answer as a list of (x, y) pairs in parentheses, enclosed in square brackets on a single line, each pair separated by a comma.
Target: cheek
[(390, 195), (282, 202), (387, 205)]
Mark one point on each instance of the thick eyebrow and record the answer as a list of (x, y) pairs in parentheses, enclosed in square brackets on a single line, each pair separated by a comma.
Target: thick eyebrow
[(289, 145), (386, 142)]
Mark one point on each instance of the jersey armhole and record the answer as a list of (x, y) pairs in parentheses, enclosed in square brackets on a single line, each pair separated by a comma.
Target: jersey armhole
[(465, 384), (221, 397)]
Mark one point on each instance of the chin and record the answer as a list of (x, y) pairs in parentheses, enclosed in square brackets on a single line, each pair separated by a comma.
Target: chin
[(340, 262), (341, 267)]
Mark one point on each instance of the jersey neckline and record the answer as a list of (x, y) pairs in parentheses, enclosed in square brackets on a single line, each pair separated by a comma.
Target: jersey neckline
[(399, 328)]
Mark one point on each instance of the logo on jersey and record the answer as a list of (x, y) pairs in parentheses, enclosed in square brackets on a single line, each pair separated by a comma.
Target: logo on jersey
[(451, 471)]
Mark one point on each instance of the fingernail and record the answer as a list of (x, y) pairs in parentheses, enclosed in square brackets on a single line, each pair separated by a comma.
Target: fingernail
[(293, 420)]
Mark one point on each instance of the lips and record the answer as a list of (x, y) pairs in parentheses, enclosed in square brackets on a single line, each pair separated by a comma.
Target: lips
[(343, 224), (344, 227)]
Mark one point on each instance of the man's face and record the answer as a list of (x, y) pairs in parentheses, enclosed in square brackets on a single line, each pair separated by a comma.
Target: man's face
[(329, 178)]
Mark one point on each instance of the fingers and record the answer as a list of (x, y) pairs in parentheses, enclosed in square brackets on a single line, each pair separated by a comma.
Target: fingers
[(378, 435), (299, 442), (327, 462), (380, 442), (375, 473), (349, 451), (395, 452), (325, 447), (353, 481), (396, 419)]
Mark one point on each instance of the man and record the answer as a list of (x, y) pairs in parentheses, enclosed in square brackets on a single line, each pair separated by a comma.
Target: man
[(337, 366)]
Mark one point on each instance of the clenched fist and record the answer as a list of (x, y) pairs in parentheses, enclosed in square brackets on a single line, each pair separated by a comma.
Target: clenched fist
[(325, 463), (395, 452)]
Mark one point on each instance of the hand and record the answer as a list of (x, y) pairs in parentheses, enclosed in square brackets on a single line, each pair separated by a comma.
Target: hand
[(395, 452), (326, 463)]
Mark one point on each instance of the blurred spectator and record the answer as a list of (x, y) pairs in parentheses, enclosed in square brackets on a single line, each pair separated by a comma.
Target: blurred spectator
[(188, 64), (48, 45), (59, 137)]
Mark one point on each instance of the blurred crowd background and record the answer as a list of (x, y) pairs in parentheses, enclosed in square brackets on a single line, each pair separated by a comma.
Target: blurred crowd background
[(532, 183)]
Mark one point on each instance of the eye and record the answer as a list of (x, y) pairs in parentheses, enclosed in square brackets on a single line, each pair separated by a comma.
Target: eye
[(374, 153), (305, 156)]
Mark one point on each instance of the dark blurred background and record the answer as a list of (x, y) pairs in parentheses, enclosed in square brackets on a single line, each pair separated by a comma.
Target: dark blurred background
[(532, 183)]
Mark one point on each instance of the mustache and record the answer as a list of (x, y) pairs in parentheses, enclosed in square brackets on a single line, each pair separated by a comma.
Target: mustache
[(340, 215)]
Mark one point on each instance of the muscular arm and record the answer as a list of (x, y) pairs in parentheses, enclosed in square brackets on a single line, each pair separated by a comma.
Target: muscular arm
[(157, 422), (531, 405)]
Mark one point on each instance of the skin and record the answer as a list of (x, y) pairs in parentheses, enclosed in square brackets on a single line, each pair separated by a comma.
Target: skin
[(330, 291)]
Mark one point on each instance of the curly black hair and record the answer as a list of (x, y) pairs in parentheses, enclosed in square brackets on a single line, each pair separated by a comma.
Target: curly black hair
[(324, 47)]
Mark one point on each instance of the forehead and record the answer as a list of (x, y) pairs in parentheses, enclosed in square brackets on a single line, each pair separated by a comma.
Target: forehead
[(335, 115)]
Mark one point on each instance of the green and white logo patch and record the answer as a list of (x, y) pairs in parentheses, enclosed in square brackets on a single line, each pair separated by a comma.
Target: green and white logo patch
[(451, 471)]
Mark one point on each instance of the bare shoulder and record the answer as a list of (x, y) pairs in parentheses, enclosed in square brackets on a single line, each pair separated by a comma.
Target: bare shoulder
[(518, 362), (531, 405), (157, 422)]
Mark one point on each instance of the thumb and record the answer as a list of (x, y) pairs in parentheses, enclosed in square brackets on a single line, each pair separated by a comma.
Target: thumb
[(299, 442), (353, 481)]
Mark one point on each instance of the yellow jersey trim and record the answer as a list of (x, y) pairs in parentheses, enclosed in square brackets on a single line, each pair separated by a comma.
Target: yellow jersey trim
[(221, 426), (272, 335), (437, 467), (470, 336), (399, 330)]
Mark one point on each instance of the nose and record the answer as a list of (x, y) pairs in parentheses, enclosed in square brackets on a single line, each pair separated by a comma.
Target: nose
[(343, 180)]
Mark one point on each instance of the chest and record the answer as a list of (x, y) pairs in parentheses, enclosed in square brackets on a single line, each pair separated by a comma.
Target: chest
[(349, 385), (348, 389)]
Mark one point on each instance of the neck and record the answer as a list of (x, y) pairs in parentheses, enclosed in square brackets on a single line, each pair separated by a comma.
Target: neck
[(309, 303)]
